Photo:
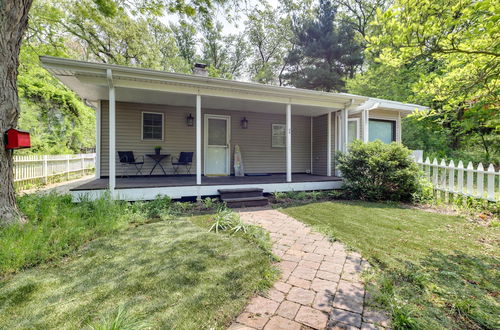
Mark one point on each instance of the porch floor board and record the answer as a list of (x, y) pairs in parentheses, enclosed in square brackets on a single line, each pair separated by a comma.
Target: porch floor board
[(175, 181)]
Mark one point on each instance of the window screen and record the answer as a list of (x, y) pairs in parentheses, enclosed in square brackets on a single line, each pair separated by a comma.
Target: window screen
[(152, 126), (279, 139), (383, 130)]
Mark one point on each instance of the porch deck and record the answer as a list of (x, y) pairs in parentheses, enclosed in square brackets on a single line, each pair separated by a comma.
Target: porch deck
[(182, 181)]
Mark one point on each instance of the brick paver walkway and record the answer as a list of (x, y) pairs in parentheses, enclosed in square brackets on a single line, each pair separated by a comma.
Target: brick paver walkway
[(320, 285)]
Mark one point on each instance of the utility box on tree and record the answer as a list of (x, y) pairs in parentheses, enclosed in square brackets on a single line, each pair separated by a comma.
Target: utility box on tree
[(17, 139)]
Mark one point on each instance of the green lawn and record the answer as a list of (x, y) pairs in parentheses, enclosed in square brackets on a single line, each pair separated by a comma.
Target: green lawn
[(168, 274), (431, 270)]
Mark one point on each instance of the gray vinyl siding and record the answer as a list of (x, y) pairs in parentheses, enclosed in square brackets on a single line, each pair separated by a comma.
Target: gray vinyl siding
[(255, 142), (320, 144)]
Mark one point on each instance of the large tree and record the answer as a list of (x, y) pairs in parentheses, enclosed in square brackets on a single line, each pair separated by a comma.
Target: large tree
[(326, 51), (13, 24)]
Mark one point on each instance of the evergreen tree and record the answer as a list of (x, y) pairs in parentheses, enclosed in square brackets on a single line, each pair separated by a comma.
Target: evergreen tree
[(326, 51)]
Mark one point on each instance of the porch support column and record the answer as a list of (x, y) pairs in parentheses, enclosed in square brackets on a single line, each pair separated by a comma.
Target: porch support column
[(365, 123), (98, 140), (288, 142), (198, 139), (329, 145), (112, 134), (343, 129)]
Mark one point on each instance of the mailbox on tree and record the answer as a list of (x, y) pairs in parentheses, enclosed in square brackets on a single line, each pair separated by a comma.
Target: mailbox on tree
[(17, 139)]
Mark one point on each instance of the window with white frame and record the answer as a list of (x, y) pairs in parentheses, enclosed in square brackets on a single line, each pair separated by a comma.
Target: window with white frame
[(278, 135), (152, 126), (352, 130), (383, 130)]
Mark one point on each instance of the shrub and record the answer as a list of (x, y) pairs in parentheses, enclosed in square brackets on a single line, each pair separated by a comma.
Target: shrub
[(377, 171)]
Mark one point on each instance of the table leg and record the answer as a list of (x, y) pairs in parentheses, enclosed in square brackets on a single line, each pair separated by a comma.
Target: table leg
[(165, 173), (156, 163)]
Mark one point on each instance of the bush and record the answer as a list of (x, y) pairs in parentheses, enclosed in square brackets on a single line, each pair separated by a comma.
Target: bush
[(376, 171)]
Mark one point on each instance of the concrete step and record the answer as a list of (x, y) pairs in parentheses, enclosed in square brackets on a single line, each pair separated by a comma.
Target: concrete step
[(246, 201), (240, 193)]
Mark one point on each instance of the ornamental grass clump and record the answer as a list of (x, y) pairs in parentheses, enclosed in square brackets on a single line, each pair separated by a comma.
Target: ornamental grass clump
[(376, 171)]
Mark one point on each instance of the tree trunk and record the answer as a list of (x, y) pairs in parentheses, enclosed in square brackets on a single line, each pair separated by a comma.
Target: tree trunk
[(13, 23)]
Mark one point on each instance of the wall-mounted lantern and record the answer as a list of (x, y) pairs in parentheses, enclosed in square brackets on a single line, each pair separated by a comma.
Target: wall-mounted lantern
[(190, 120), (244, 123)]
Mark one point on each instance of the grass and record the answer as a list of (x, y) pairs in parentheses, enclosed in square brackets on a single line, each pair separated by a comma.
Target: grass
[(431, 270), (171, 274)]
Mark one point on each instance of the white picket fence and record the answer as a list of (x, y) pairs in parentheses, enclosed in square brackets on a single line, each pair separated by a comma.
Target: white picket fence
[(40, 169), (456, 179)]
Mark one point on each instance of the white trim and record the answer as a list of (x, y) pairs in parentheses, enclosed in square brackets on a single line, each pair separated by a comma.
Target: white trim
[(228, 139), (98, 140), (112, 133), (138, 194), (312, 144), (288, 142), (198, 139), (162, 125), (343, 129), (129, 77), (329, 145), (365, 116)]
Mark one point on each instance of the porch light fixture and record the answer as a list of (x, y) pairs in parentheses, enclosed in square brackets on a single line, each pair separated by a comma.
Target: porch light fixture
[(190, 120), (244, 123)]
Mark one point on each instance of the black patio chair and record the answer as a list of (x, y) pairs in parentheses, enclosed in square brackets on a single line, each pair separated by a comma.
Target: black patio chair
[(185, 159), (128, 160)]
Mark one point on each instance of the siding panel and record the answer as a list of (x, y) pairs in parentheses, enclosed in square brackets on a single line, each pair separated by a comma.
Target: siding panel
[(255, 142)]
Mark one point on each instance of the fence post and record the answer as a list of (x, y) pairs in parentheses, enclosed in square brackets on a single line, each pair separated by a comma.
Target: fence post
[(435, 172), (470, 179), (82, 164), (443, 174), (460, 177), (45, 169), (480, 180), (491, 183), (427, 168), (67, 167), (451, 185)]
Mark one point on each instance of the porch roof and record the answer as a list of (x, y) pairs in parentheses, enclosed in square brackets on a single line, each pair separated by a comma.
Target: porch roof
[(90, 81)]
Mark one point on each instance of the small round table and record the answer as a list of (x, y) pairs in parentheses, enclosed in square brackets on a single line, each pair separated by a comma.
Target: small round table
[(157, 158)]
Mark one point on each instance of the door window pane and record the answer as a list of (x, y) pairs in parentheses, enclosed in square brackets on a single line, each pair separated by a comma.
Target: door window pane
[(217, 132), (381, 130), (352, 131)]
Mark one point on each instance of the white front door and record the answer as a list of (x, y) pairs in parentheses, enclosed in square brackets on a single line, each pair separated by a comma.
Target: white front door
[(217, 149)]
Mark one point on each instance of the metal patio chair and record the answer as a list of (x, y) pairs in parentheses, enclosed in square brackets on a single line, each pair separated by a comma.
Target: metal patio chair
[(185, 159), (128, 160)]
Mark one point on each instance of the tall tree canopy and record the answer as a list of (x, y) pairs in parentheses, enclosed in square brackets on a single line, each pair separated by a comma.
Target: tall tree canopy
[(99, 29), (448, 54), (326, 51)]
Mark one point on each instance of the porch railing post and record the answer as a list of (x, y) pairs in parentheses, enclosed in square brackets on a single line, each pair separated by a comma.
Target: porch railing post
[(112, 135), (329, 145), (198, 139), (288, 142), (365, 122), (98, 140)]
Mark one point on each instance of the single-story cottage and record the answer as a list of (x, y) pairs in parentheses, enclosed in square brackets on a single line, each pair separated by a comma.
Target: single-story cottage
[(286, 136)]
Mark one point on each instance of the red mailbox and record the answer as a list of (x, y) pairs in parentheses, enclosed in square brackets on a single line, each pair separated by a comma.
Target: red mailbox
[(17, 139)]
